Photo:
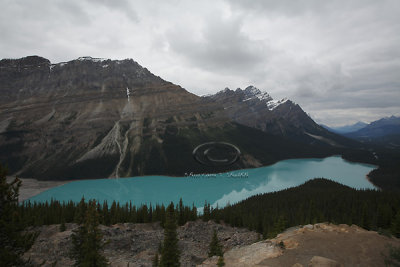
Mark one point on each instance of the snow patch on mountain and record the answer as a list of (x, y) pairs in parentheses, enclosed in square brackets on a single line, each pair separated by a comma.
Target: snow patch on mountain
[(128, 93), (94, 59), (323, 139), (252, 92), (273, 104)]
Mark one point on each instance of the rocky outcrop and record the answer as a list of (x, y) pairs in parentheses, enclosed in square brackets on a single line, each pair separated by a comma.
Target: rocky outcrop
[(319, 245), (318, 261), (136, 244)]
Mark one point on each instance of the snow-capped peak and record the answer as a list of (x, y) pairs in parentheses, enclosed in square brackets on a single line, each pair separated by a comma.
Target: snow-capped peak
[(273, 104), (252, 92), (94, 59), (226, 90)]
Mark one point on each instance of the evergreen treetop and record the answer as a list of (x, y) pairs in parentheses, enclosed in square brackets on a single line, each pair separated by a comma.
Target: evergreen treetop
[(13, 242), (215, 248), (170, 254), (87, 241)]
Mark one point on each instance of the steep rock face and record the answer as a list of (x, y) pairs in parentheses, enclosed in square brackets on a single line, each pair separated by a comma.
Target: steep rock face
[(97, 118), (60, 117)]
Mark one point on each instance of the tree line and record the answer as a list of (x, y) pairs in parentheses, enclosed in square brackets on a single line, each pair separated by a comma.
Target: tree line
[(56, 212), (318, 200)]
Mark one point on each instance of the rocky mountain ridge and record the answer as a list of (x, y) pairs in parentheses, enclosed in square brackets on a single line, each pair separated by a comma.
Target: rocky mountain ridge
[(97, 118), (259, 110)]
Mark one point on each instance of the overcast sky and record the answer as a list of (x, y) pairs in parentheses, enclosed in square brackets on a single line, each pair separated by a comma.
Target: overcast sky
[(340, 60)]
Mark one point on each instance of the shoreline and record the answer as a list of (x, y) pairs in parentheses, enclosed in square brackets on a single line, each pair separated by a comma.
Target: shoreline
[(31, 187), (369, 180)]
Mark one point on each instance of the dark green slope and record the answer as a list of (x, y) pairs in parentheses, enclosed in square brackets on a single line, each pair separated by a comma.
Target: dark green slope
[(174, 155), (318, 200)]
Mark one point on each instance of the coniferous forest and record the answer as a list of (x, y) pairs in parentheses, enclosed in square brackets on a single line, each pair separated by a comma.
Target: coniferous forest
[(318, 200)]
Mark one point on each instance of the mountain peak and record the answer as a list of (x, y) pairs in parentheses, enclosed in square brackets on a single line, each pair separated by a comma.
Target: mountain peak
[(29, 61), (252, 90), (94, 59), (253, 93)]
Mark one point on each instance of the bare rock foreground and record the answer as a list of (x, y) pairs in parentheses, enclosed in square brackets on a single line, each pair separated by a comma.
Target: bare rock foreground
[(136, 244), (322, 245), (311, 245)]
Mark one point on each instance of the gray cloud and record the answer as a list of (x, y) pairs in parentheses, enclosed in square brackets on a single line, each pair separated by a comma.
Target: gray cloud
[(219, 46), (338, 59), (123, 6)]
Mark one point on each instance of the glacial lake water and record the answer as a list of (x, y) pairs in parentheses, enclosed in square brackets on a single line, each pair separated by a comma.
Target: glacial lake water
[(220, 189)]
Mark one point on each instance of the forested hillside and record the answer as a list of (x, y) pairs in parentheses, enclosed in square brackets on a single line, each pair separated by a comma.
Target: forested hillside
[(317, 200)]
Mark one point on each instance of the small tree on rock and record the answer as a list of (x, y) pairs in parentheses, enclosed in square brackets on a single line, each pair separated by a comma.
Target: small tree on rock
[(220, 261), (215, 248), (170, 254), (87, 241), (13, 243), (156, 261)]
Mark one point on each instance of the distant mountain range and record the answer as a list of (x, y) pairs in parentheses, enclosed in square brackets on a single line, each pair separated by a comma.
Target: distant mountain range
[(379, 128), (385, 131), (347, 128), (97, 118)]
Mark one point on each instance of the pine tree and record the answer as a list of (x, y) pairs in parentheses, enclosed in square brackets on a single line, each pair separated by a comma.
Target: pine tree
[(278, 227), (156, 260), (206, 212), (62, 227), (181, 218), (220, 262), (106, 214), (87, 241), (215, 248), (13, 242), (193, 214), (80, 212), (170, 252), (396, 225)]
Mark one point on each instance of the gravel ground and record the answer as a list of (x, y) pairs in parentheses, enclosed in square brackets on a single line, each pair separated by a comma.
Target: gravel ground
[(31, 187)]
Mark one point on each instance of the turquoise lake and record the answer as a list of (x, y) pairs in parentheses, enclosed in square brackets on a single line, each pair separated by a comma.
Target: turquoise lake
[(220, 189)]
